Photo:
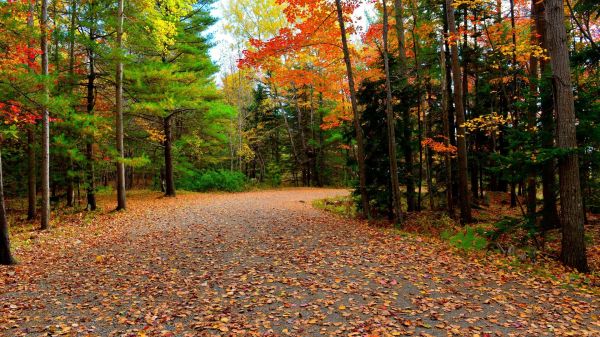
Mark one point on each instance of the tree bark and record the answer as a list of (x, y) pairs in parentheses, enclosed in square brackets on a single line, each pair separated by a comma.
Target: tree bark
[(357, 128), (419, 108), (550, 217), (91, 188), (72, 84), (446, 128), (45, 169), (391, 125), (31, 177), (169, 179), (428, 157), (463, 186), (121, 201), (513, 192), (6, 257), (571, 211), (531, 117), (407, 129)]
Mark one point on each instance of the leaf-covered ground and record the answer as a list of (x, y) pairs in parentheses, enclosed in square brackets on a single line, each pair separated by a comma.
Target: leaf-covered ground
[(268, 264)]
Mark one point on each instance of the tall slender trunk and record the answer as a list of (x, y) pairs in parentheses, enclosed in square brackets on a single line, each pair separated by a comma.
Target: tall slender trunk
[(357, 128), (407, 125), (549, 211), (304, 159), (446, 128), (31, 178), (89, 146), (531, 116), (170, 181), (465, 94), (6, 257), (464, 197), (450, 116), (571, 211), (72, 84), (287, 125), (428, 158), (419, 108), (477, 158), (45, 169), (121, 201), (391, 124), (513, 192)]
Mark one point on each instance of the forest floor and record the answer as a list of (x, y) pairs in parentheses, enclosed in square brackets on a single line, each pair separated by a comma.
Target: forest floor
[(266, 263)]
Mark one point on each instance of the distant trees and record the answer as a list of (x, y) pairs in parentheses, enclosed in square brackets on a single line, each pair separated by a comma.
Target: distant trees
[(470, 81)]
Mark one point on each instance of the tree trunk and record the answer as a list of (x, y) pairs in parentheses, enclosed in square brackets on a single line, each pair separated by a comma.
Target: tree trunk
[(464, 197), (428, 157), (450, 108), (5, 255), (531, 117), (170, 181), (571, 211), (419, 107), (357, 128), (72, 84), (391, 125), (121, 201), (513, 194), (45, 170), (89, 146), (446, 128), (549, 211), (407, 130), (31, 177)]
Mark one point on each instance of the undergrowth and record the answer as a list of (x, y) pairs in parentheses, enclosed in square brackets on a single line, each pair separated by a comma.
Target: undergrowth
[(343, 205)]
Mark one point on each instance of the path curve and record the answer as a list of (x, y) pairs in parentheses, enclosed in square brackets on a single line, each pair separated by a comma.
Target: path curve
[(268, 264)]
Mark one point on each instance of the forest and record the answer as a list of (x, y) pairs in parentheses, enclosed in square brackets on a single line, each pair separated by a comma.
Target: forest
[(471, 123)]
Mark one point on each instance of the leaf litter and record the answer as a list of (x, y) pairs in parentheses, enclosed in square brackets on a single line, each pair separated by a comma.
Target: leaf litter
[(268, 264)]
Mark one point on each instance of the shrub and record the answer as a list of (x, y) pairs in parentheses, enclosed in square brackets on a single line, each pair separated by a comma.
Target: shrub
[(212, 180), (468, 239)]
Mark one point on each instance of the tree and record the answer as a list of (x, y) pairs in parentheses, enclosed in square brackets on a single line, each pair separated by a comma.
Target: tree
[(571, 211), (172, 78), (5, 254), (31, 177), (357, 129), (391, 123), (45, 170), (465, 200), (121, 201), (549, 211), (406, 118)]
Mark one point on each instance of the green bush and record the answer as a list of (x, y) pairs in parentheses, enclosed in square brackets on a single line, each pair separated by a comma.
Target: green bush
[(212, 180), (468, 239)]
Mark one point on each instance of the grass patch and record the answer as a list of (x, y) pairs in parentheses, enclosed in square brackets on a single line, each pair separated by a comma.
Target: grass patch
[(467, 238), (343, 205)]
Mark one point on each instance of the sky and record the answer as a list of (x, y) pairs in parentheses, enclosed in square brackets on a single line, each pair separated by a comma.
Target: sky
[(221, 52)]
